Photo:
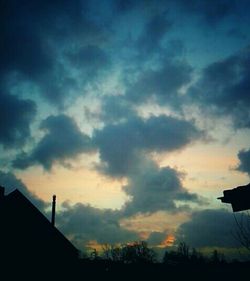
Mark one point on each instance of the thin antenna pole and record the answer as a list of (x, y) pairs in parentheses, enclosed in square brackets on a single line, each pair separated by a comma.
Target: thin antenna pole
[(53, 215)]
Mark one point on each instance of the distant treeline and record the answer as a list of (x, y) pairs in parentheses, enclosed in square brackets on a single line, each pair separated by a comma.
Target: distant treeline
[(130, 261), (139, 252), (138, 261)]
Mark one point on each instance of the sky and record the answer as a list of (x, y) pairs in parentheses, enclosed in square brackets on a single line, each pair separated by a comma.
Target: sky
[(134, 113)]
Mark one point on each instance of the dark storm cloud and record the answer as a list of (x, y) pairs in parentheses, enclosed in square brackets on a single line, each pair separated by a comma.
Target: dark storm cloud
[(36, 35), (91, 61), (16, 116), (120, 143), (244, 165), (153, 33), (122, 147), (85, 223), (162, 83), (224, 86), (10, 183), (22, 48), (209, 228), (62, 140), (89, 57), (152, 188), (212, 11)]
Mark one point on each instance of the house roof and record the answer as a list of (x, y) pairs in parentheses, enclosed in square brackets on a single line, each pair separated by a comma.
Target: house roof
[(24, 228)]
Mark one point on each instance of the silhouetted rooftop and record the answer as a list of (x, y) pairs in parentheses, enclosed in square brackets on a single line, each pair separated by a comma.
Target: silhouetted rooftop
[(28, 236), (238, 197)]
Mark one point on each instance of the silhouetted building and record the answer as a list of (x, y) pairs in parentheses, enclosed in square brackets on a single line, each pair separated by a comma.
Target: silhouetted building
[(28, 238), (238, 197)]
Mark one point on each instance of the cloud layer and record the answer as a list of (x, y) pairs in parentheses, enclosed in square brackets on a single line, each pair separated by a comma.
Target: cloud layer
[(85, 223), (224, 88), (120, 144), (152, 188), (16, 116), (244, 165), (209, 228), (62, 140)]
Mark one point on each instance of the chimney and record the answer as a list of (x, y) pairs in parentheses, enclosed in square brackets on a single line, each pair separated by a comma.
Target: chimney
[(1, 192), (53, 210)]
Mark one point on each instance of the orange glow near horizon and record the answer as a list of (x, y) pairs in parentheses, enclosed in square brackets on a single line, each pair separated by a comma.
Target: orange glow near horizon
[(94, 245), (168, 242)]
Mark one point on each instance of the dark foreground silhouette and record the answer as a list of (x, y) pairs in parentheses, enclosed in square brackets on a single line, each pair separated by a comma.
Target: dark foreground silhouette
[(31, 248), (30, 245), (238, 197), (106, 270)]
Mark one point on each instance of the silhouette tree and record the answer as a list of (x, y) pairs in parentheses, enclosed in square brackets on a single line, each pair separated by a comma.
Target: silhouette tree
[(113, 253), (171, 258), (196, 257), (217, 258), (94, 255), (183, 255), (176, 257), (183, 251), (106, 249), (138, 252), (242, 233)]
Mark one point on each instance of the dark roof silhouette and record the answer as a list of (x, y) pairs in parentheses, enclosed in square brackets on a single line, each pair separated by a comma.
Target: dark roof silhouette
[(238, 197), (27, 236)]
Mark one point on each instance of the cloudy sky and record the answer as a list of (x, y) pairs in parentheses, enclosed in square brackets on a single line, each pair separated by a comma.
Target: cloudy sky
[(134, 113)]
